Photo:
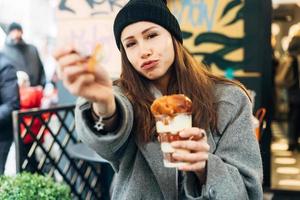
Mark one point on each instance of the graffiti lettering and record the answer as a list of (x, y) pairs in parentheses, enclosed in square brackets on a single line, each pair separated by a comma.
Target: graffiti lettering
[(198, 12), (112, 5), (63, 6), (92, 3), (94, 6)]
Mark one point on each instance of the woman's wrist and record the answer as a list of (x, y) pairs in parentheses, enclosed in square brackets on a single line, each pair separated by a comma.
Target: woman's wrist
[(106, 122), (105, 116), (104, 110)]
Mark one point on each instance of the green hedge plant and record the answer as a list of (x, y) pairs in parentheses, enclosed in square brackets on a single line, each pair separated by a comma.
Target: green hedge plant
[(26, 186)]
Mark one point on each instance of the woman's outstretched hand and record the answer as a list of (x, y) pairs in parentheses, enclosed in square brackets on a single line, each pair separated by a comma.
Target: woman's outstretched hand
[(94, 85), (197, 154)]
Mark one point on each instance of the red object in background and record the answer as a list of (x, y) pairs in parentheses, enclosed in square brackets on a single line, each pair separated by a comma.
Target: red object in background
[(31, 97)]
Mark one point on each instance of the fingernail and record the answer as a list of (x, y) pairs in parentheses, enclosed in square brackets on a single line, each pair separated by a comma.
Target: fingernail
[(203, 133), (181, 133)]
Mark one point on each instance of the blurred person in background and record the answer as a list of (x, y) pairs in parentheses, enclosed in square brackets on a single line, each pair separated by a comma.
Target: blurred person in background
[(287, 78), (33, 97), (9, 101), (30, 97), (294, 93), (25, 56)]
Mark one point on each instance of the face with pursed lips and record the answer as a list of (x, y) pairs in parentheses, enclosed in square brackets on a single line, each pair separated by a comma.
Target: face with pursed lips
[(149, 49)]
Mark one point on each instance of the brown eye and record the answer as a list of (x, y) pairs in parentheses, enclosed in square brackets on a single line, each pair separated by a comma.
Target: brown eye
[(130, 44), (151, 35)]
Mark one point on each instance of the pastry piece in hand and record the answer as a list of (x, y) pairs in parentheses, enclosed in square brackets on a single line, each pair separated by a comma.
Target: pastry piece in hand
[(95, 58)]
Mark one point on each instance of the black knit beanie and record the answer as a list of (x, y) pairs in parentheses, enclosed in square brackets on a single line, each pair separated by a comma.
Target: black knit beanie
[(155, 11), (14, 26)]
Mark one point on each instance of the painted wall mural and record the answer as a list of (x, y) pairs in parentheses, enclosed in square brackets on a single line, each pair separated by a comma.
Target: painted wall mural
[(64, 5), (213, 31)]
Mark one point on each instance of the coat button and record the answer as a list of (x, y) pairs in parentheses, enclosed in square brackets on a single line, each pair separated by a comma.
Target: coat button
[(212, 193)]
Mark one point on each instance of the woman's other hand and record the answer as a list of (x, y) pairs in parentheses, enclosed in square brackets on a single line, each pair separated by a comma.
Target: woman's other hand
[(196, 144), (95, 85)]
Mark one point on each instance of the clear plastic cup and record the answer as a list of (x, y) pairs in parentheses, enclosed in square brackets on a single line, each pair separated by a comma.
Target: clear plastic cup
[(168, 129)]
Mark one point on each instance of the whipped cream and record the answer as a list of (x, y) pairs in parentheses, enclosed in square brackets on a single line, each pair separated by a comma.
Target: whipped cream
[(175, 124)]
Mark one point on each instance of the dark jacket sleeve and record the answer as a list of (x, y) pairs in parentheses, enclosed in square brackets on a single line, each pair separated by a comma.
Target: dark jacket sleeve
[(42, 77), (9, 93)]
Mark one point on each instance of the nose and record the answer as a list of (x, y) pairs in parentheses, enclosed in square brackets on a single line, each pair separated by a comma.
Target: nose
[(146, 51), (146, 54)]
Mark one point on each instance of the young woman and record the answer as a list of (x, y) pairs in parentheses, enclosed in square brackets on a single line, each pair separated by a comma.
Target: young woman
[(226, 163)]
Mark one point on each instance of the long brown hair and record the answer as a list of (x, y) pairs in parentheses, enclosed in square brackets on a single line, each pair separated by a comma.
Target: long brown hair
[(190, 78)]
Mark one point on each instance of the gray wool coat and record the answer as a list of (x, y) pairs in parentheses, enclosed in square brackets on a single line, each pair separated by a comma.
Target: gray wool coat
[(234, 166)]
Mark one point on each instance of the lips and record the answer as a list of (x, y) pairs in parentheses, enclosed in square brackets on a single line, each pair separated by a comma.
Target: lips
[(149, 64)]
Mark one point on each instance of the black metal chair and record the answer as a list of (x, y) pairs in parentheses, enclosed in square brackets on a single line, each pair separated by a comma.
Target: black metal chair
[(83, 177)]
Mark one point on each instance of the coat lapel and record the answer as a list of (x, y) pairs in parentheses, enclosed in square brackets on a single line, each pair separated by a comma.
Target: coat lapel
[(166, 177), (211, 141)]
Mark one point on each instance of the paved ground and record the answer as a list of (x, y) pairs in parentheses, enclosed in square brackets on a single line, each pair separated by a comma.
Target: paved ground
[(285, 166)]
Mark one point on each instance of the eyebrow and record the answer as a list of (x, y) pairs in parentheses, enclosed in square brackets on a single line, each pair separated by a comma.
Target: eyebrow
[(143, 32)]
